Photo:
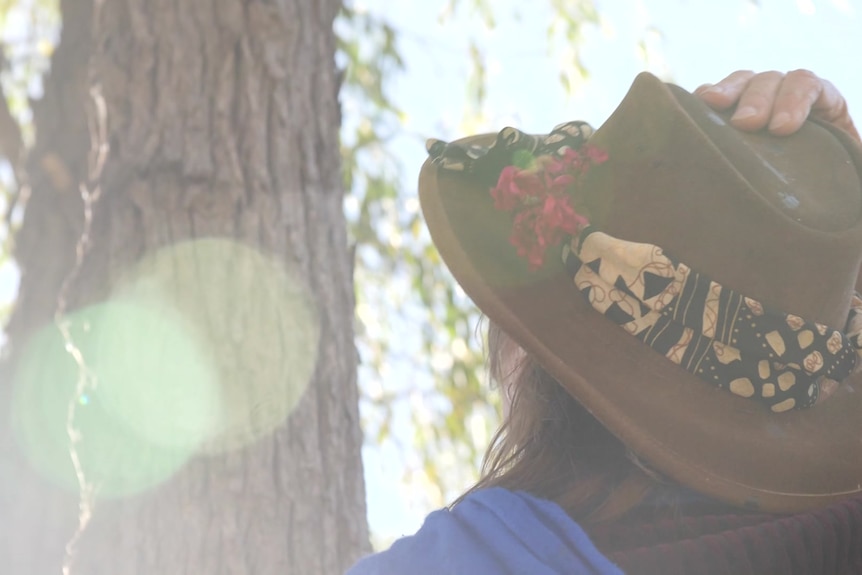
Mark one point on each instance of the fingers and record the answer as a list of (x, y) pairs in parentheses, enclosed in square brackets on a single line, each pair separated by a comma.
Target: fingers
[(755, 108), (794, 100), (726, 93), (754, 96), (831, 107), (779, 102)]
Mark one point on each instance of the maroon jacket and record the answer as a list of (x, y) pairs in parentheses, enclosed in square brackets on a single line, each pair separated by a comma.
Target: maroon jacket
[(827, 541)]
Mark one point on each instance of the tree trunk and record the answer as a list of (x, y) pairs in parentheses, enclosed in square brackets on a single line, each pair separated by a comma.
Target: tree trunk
[(222, 188)]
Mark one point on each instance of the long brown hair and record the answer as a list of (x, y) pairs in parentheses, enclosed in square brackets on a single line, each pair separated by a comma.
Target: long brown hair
[(550, 446)]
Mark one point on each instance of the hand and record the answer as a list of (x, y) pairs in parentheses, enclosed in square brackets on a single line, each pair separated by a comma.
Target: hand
[(778, 101)]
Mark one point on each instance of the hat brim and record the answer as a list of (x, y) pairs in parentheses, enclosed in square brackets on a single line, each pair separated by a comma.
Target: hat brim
[(707, 439)]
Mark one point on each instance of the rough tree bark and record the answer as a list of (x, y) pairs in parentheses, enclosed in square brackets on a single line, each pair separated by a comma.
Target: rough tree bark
[(222, 119)]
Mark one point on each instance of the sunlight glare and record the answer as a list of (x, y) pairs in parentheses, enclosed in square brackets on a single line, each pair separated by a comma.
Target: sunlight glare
[(806, 7), (844, 7), (256, 322)]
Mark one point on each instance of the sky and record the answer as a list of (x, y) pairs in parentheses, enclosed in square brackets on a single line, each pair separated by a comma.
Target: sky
[(687, 42)]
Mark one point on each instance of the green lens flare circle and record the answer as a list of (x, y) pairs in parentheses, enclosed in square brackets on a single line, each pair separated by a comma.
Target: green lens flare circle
[(204, 347)]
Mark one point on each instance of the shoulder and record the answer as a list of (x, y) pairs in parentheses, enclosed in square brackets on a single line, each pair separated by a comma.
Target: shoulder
[(493, 531)]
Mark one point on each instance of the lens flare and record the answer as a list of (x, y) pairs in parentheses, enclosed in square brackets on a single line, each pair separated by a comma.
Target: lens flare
[(138, 423), (203, 347), (255, 321), (153, 374)]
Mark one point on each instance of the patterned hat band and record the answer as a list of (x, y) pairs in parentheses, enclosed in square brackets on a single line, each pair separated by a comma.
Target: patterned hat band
[(725, 338)]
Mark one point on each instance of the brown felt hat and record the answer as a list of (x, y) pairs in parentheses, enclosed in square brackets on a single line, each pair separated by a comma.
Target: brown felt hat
[(777, 219)]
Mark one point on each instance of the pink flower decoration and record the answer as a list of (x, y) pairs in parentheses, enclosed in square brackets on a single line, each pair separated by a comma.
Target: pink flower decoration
[(514, 184), (541, 202)]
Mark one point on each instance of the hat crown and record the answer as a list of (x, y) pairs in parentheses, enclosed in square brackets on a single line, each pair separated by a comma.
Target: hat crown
[(777, 219), (809, 176)]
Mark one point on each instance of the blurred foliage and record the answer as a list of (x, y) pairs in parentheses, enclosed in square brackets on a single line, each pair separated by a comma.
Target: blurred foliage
[(406, 300), (566, 31), (29, 30), (419, 336)]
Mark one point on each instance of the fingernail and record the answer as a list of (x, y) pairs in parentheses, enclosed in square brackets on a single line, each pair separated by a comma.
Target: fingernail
[(717, 89), (744, 113), (780, 120)]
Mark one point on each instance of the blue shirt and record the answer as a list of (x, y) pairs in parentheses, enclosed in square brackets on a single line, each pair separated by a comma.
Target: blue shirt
[(493, 532)]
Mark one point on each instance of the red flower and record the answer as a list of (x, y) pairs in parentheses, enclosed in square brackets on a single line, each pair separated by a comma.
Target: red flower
[(513, 186), (541, 201), (558, 213)]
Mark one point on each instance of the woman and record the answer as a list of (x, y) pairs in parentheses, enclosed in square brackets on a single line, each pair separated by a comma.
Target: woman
[(698, 481)]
